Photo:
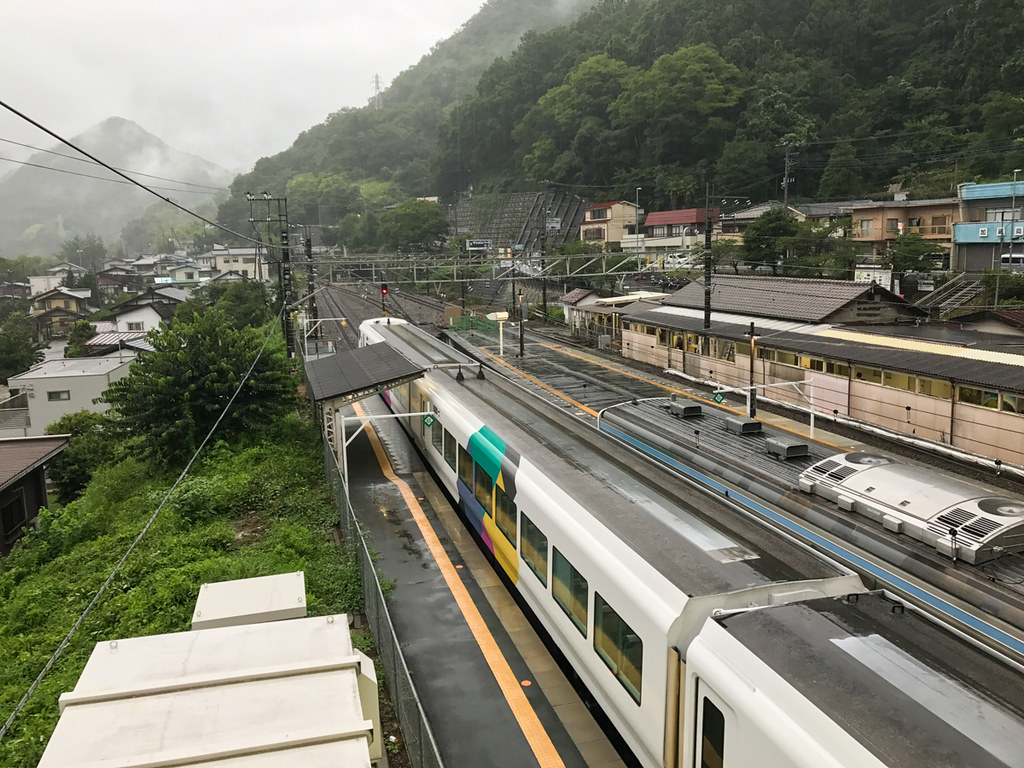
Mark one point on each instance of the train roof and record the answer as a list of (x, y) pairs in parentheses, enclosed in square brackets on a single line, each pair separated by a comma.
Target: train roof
[(935, 508), (912, 692), (690, 548)]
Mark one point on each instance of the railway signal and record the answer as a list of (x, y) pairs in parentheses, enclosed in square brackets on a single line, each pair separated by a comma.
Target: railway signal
[(383, 295)]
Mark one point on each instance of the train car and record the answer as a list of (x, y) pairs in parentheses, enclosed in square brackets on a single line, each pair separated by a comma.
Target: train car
[(638, 590), (958, 519)]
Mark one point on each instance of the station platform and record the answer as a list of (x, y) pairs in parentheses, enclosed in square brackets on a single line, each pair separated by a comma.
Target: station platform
[(493, 694), (624, 379)]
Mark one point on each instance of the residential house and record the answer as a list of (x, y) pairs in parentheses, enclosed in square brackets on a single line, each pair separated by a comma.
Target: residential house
[(608, 223), (59, 387), (15, 290), (877, 224), (250, 262), (23, 463), (142, 318), (734, 223), (669, 236), (54, 277), (990, 230), (117, 280), (56, 310)]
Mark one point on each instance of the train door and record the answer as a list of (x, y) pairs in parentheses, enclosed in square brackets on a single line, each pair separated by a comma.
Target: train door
[(713, 718)]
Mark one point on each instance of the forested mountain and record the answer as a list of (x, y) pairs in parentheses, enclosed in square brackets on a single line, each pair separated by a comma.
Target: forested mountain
[(682, 96), (60, 194), (393, 141)]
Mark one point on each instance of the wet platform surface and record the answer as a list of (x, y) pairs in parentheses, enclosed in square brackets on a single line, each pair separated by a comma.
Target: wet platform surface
[(493, 694)]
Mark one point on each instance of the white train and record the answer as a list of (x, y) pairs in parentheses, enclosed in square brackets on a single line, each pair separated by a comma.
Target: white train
[(706, 643)]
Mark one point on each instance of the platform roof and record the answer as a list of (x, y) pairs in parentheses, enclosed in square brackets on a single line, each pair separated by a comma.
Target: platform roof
[(359, 373)]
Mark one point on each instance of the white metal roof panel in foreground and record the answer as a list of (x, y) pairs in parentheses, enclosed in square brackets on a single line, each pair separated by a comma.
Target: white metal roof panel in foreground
[(249, 601), (281, 693)]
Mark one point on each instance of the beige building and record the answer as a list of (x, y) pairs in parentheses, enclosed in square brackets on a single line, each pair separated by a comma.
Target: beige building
[(608, 223), (877, 224)]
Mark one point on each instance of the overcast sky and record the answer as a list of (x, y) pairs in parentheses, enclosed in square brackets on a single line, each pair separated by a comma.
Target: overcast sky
[(230, 81)]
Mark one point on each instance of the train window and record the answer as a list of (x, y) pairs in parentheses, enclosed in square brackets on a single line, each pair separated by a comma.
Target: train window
[(437, 436), (619, 647), (449, 449), (482, 490), (1008, 403), (838, 369), (505, 514), (712, 736), (787, 358), (465, 467), (535, 550), (569, 589)]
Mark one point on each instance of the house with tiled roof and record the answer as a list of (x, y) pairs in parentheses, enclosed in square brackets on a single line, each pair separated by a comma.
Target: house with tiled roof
[(23, 462), (676, 234), (607, 223), (574, 302), (56, 310)]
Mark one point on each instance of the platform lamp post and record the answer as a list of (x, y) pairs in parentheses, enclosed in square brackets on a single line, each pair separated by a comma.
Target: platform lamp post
[(636, 224), (522, 326), (752, 399)]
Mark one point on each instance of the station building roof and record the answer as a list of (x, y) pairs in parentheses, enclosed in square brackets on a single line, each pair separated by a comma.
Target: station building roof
[(812, 301), (947, 362)]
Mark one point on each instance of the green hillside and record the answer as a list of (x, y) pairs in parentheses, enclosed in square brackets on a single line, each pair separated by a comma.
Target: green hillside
[(682, 97)]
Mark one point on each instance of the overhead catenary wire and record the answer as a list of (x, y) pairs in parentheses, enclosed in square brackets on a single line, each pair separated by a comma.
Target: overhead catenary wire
[(149, 524), (107, 179), (91, 162)]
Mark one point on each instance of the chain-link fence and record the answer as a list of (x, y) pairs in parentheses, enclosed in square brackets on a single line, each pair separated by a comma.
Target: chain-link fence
[(419, 740)]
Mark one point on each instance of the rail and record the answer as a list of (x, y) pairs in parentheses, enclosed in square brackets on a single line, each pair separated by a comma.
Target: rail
[(420, 746)]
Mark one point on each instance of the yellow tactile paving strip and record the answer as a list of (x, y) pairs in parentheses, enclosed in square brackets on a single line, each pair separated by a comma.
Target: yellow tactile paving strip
[(534, 731)]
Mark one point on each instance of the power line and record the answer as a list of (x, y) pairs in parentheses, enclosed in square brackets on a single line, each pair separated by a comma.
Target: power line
[(97, 178), (139, 184), (83, 160)]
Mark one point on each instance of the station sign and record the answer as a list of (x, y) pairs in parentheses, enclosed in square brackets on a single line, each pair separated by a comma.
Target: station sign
[(478, 245)]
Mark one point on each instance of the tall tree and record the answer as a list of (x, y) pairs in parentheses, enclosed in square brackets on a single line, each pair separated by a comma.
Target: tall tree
[(766, 238), (173, 395), (413, 225), (19, 349)]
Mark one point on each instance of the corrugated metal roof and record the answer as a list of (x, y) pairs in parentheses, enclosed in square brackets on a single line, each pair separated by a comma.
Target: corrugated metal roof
[(363, 370), (680, 216), (19, 455), (112, 338), (791, 298)]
